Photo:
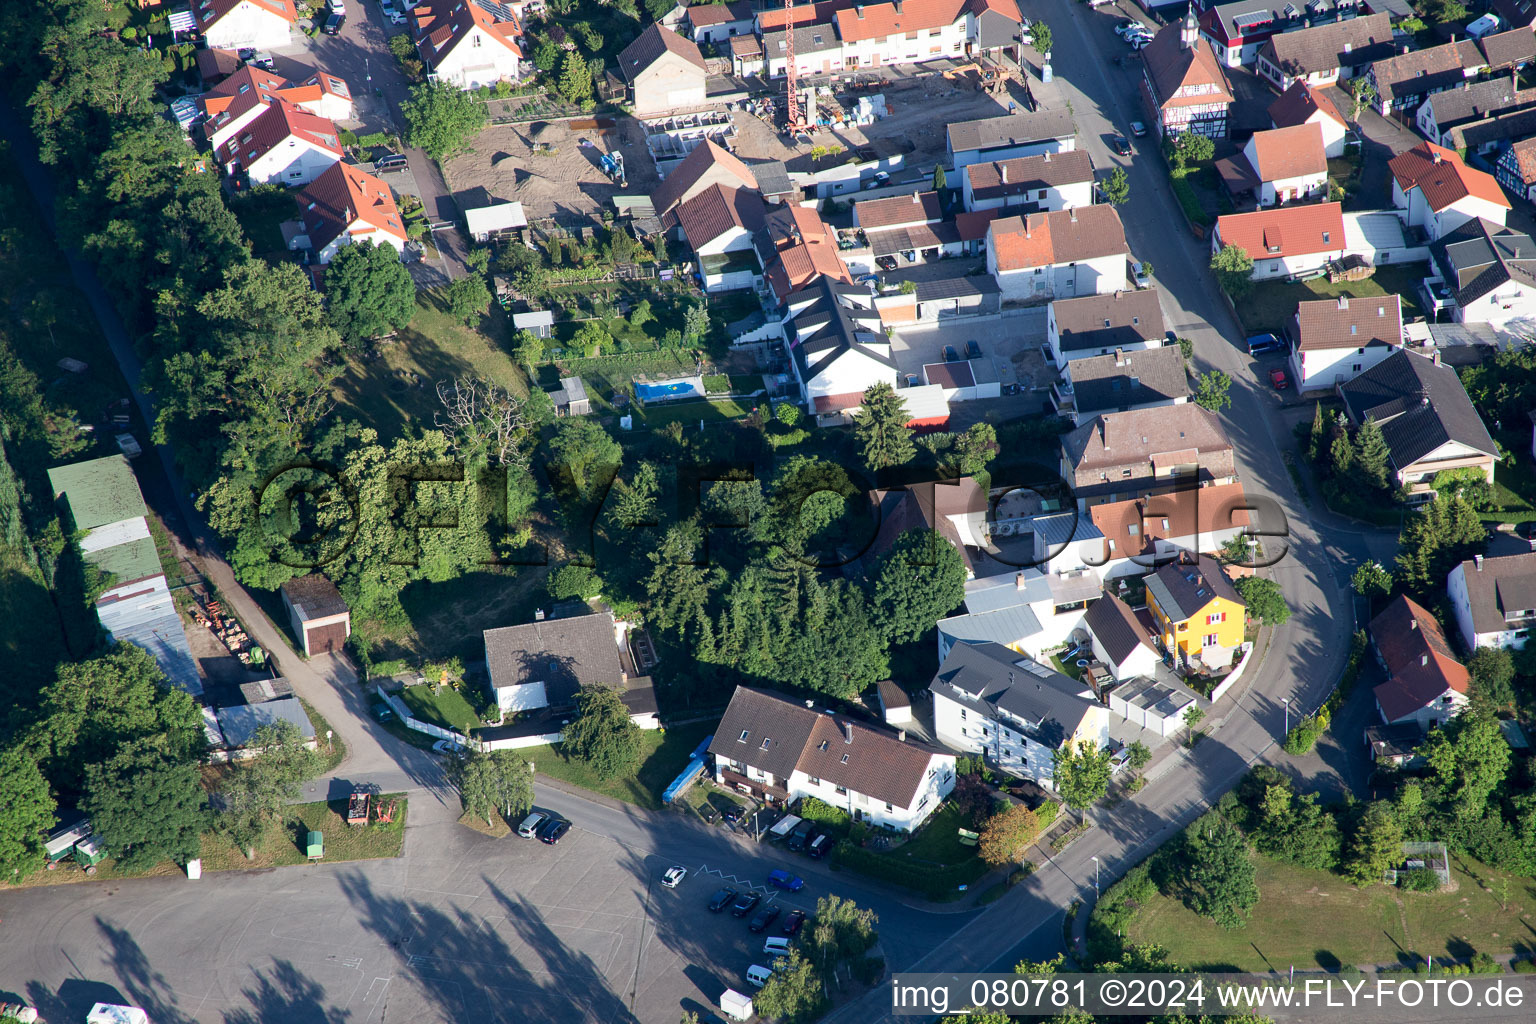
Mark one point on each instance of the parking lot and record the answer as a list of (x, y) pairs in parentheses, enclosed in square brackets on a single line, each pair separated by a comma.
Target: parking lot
[(1010, 346)]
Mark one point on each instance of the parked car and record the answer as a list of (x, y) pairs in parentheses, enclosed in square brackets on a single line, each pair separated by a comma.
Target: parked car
[(786, 881), (800, 836), (721, 899), (1129, 25), (745, 903), (674, 876), (763, 918), (1138, 129), (885, 262), (553, 830), (1262, 344), (333, 22), (530, 825), (793, 922), (336, 6), (1139, 43), (731, 813), (1279, 380), (1139, 272), (1121, 145), (383, 712), (775, 945), (950, 354), (448, 747), (819, 846), (972, 350), (758, 975)]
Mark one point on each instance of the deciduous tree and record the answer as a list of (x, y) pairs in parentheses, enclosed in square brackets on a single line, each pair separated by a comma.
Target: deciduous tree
[(368, 291), (1233, 267), (1219, 871), (26, 814), (468, 298), (1264, 600), (1081, 773), (584, 453), (441, 118), (602, 734), (255, 791), (1213, 390), (1493, 677), (794, 993), (1006, 836), (1116, 188), (145, 806)]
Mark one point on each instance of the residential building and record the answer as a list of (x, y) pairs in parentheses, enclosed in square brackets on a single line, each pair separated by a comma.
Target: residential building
[(1145, 451), (1013, 710), (746, 53), (778, 750), (100, 504), (1425, 416), (1470, 103), (796, 247), (570, 398), (1009, 136), (1284, 241), (1236, 30), (894, 212), (346, 205), (1326, 54), (1141, 534), (283, 145), (1122, 641), (1198, 613), (1281, 165), (241, 97), (1434, 189), (1338, 339), (955, 510), (320, 618), (537, 668), (245, 24), (837, 345), (663, 72), (1483, 273), (1102, 325), (1509, 50), (717, 225), (1030, 184), (1489, 137), (1494, 600), (1025, 610), (1404, 81), (1120, 381), (1058, 255), (1305, 104), (468, 43), (707, 164), (1425, 684), (1516, 170), (239, 723), (1515, 13), (1183, 87), (818, 50), (717, 23)]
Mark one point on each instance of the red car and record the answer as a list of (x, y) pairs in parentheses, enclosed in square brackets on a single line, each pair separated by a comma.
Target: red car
[(1278, 379)]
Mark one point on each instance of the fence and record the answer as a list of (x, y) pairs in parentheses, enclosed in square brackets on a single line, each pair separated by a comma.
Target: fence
[(1232, 677), (403, 713)]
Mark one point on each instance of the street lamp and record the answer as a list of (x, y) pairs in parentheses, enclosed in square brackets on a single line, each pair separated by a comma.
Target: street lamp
[(1287, 702), (1095, 879)]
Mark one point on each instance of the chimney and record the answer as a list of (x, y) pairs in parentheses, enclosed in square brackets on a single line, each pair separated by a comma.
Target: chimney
[(847, 732), (901, 735), (1027, 233), (1413, 623), (538, 615), (858, 10), (1047, 157), (1437, 156), (1423, 659), (1436, 357), (1119, 357), (1018, 581), (1072, 212), (915, 199), (1478, 559), (1348, 47), (1343, 302), (897, 4), (1004, 172)]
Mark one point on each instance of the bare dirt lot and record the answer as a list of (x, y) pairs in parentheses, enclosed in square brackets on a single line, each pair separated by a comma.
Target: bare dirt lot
[(567, 185)]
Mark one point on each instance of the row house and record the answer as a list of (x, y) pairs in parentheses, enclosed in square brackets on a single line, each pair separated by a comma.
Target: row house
[(1097, 325), (1058, 255), (1010, 136), (1184, 88), (1029, 184), (1473, 102), (282, 145), (1121, 381), (1403, 81), (1325, 54), (1516, 170), (837, 346), (1239, 30), (1143, 534), (245, 24), (239, 99)]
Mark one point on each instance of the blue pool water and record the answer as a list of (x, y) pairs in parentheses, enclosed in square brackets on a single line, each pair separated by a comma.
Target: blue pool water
[(675, 389)]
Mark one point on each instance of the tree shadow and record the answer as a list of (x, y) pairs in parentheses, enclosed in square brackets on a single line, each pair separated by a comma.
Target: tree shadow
[(285, 996), (145, 987), (1327, 960), (74, 999)]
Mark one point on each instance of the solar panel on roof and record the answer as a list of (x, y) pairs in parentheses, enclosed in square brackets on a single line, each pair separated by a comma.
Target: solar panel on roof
[(1253, 20), (501, 12)]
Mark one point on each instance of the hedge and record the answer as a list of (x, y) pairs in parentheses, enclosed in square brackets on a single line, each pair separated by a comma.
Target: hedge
[(933, 882)]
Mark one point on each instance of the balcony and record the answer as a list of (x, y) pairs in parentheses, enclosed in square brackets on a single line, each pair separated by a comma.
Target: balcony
[(754, 787)]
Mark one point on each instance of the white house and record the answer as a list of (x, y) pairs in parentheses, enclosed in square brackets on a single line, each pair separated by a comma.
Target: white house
[(1289, 163), (1142, 534), (837, 346), (1025, 610), (346, 205), (1337, 339), (893, 212), (1305, 104), (1121, 642), (718, 225), (1013, 710), (239, 99), (1103, 325), (537, 668), (1008, 136), (245, 24), (468, 43), (777, 749), (1494, 600), (716, 23), (664, 71), (1484, 273), (1284, 241), (282, 146), (1058, 255), (1425, 684), (1434, 189), (1027, 184)]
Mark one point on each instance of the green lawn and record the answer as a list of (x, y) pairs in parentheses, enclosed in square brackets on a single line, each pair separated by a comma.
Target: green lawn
[(447, 710), (1272, 304), (1310, 918), (664, 752), (937, 842), (260, 213), (689, 413)]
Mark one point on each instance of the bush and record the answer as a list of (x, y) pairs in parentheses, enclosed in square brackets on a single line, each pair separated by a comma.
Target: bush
[(823, 813), (868, 970), (1046, 813), (1419, 880), (1019, 873)]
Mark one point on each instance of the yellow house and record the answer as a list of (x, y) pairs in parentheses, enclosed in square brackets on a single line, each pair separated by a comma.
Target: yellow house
[(1197, 611)]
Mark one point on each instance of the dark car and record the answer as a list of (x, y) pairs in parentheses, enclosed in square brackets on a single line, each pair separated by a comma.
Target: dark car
[(744, 904), (1121, 145), (383, 712), (972, 350), (763, 918), (721, 899), (801, 835), (1262, 344), (950, 354), (819, 845), (731, 813), (552, 830), (333, 23), (885, 262), (793, 922)]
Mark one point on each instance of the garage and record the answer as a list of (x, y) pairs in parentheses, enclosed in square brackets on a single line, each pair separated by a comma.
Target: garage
[(319, 617)]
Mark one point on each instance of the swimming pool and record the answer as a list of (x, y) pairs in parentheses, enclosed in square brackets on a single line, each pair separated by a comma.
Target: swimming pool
[(667, 389)]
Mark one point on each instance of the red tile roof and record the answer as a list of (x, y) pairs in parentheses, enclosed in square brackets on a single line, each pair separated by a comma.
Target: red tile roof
[(1442, 176), (973, 226), (1172, 67), (1298, 103), (876, 21), (682, 178), (243, 87), (1061, 236), (1198, 513), (705, 15), (1285, 230), (1420, 667), (441, 24), (343, 195), (716, 210), (1289, 152), (208, 12), (274, 126), (822, 12), (917, 208)]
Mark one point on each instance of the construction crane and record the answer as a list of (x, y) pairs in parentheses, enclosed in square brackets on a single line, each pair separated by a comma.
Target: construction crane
[(792, 108)]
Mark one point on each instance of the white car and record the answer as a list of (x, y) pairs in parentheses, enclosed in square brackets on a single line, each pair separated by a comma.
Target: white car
[(674, 876), (336, 6), (448, 747), (1126, 27), (1138, 43), (1138, 271)]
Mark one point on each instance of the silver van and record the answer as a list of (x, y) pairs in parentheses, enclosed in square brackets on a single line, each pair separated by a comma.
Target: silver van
[(776, 945), (758, 975), (531, 824)]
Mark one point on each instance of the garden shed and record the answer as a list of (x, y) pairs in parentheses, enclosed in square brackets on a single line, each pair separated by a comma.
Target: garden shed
[(320, 618)]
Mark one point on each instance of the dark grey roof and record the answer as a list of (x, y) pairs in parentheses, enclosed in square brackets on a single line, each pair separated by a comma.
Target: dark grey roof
[(1419, 405), (1476, 100), (813, 38), (989, 677), (266, 689), (1110, 383), (1351, 43), (239, 723), (1118, 320), (1114, 626), (563, 654), (958, 285), (1182, 589), (1480, 255), (772, 177), (1011, 130), (826, 329), (1512, 124), (1501, 592)]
